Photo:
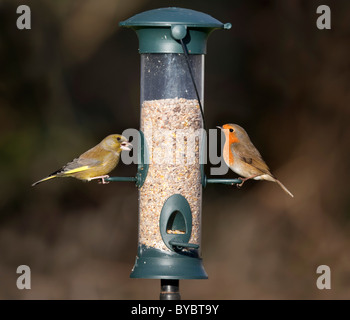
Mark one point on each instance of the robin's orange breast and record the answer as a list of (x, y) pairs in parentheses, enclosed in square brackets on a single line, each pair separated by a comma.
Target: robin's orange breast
[(227, 152), (228, 155)]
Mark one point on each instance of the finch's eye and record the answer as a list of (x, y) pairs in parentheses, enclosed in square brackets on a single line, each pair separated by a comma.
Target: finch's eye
[(231, 130), (118, 138)]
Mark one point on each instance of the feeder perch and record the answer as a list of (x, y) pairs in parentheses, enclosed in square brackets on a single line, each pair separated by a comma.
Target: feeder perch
[(172, 45)]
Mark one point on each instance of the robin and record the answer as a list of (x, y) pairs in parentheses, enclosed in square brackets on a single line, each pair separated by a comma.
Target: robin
[(242, 157)]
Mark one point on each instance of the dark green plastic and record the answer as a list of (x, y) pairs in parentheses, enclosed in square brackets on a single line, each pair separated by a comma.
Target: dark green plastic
[(121, 179), (153, 263), (178, 31), (183, 261), (166, 17), (159, 30), (175, 215), (179, 245), (205, 181)]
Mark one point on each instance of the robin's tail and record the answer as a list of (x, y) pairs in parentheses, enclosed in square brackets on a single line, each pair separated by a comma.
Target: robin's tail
[(284, 188)]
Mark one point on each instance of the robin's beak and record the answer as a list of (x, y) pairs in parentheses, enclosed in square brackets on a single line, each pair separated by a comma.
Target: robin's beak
[(219, 127), (126, 146)]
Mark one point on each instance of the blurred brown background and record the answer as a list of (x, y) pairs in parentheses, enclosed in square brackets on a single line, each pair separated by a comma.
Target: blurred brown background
[(74, 78)]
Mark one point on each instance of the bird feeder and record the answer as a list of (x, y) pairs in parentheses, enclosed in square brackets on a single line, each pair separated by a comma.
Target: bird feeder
[(172, 45)]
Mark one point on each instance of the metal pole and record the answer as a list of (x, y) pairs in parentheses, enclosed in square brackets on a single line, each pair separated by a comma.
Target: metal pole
[(169, 289)]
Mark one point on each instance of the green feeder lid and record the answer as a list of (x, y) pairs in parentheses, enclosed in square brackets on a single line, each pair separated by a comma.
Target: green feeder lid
[(159, 30)]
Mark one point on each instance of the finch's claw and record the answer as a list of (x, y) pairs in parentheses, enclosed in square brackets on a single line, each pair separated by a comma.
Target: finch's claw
[(103, 181)]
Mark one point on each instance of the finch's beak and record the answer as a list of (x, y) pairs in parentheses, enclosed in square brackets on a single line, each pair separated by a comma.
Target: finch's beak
[(219, 127), (126, 146)]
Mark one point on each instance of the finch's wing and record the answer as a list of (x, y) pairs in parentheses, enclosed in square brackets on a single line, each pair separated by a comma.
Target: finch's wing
[(77, 165), (250, 155)]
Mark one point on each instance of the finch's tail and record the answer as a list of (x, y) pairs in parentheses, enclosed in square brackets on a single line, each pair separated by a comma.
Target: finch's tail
[(284, 188), (42, 180)]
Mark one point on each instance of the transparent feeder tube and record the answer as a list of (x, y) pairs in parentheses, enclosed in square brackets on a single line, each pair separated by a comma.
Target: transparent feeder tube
[(171, 122)]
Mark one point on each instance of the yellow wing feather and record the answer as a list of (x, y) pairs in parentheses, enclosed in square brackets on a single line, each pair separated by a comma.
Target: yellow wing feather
[(83, 168)]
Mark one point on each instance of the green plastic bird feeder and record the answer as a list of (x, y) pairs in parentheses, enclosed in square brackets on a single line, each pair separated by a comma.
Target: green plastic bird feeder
[(172, 87)]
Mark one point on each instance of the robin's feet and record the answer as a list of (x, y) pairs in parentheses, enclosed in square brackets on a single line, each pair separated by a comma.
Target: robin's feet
[(239, 185)]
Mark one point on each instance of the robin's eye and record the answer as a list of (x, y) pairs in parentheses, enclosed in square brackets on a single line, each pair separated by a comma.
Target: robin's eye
[(231, 130)]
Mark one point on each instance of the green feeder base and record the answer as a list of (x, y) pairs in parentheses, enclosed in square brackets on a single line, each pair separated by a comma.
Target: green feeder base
[(159, 264)]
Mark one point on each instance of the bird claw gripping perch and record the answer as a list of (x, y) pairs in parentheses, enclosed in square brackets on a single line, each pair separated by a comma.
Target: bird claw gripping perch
[(245, 179), (239, 185), (103, 181)]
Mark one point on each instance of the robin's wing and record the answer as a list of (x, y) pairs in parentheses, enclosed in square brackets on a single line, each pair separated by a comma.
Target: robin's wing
[(250, 155), (77, 165)]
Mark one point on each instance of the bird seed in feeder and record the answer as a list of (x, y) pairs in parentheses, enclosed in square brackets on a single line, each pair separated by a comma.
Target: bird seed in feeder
[(172, 131)]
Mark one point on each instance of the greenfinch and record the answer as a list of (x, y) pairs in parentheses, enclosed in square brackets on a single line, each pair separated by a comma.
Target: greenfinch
[(243, 158), (95, 163)]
